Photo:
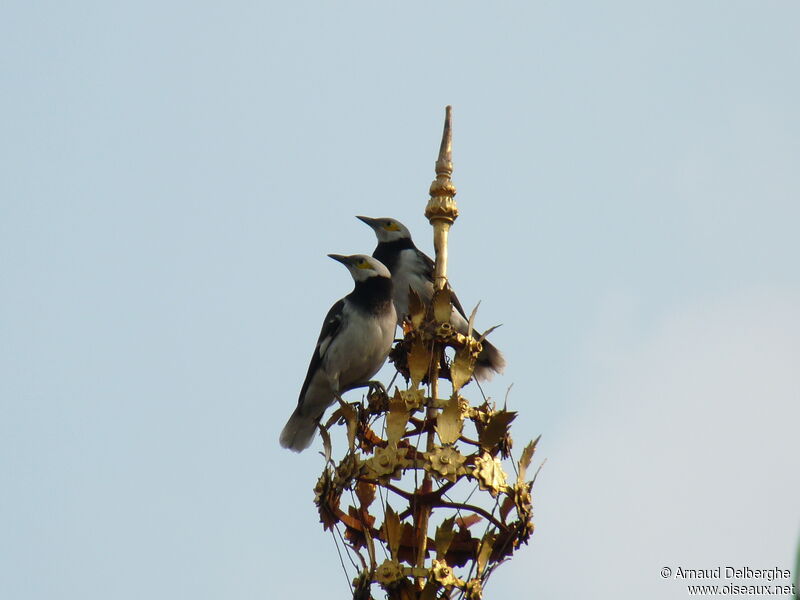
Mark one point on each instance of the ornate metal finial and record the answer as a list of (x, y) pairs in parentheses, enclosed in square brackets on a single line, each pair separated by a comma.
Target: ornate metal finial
[(441, 210), (413, 455), (444, 164)]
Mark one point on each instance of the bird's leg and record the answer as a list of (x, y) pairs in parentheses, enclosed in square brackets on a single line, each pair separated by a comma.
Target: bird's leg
[(372, 386), (377, 392), (367, 384)]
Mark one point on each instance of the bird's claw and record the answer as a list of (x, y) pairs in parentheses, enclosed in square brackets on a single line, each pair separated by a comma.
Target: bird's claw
[(376, 387)]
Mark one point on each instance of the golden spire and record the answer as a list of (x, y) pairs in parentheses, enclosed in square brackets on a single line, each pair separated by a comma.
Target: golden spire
[(441, 210), (425, 558)]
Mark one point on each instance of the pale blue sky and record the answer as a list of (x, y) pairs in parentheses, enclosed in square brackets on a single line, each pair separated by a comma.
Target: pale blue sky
[(172, 176)]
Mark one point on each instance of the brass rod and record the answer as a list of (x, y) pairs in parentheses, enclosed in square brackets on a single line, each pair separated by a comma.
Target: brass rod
[(440, 211)]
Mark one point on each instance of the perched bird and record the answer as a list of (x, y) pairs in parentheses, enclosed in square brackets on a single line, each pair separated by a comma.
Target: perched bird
[(353, 345), (411, 268)]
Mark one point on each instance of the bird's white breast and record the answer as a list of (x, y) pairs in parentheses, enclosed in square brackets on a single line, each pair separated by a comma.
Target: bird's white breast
[(409, 273), (360, 349)]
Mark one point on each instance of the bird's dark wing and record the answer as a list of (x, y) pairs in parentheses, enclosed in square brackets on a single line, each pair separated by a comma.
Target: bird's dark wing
[(427, 263), (429, 268), (330, 329)]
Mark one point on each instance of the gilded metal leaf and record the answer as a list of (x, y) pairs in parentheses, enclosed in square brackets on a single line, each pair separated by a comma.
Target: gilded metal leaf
[(468, 521), (408, 544), (326, 497), (487, 332), (462, 367), (326, 443), (335, 416), (496, 429), (506, 506), (525, 459), (462, 550), (471, 325), (354, 527), (396, 419), (392, 530), (485, 550), (349, 414), (444, 536), (369, 522), (366, 493), (416, 309), (419, 360), (490, 474), (450, 421), (442, 306)]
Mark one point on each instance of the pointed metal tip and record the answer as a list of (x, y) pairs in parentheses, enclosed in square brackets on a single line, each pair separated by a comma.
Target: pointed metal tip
[(446, 147)]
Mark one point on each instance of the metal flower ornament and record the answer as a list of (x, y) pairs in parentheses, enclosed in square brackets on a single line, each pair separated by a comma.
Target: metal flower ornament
[(427, 500)]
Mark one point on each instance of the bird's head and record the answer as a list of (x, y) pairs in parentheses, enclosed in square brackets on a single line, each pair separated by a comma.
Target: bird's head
[(361, 266), (387, 229)]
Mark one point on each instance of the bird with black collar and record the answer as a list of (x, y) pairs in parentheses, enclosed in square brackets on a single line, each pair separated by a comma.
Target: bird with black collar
[(355, 340), (412, 268)]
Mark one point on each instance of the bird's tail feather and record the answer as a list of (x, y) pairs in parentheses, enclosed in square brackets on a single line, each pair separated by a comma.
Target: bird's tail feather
[(490, 361), (298, 432)]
